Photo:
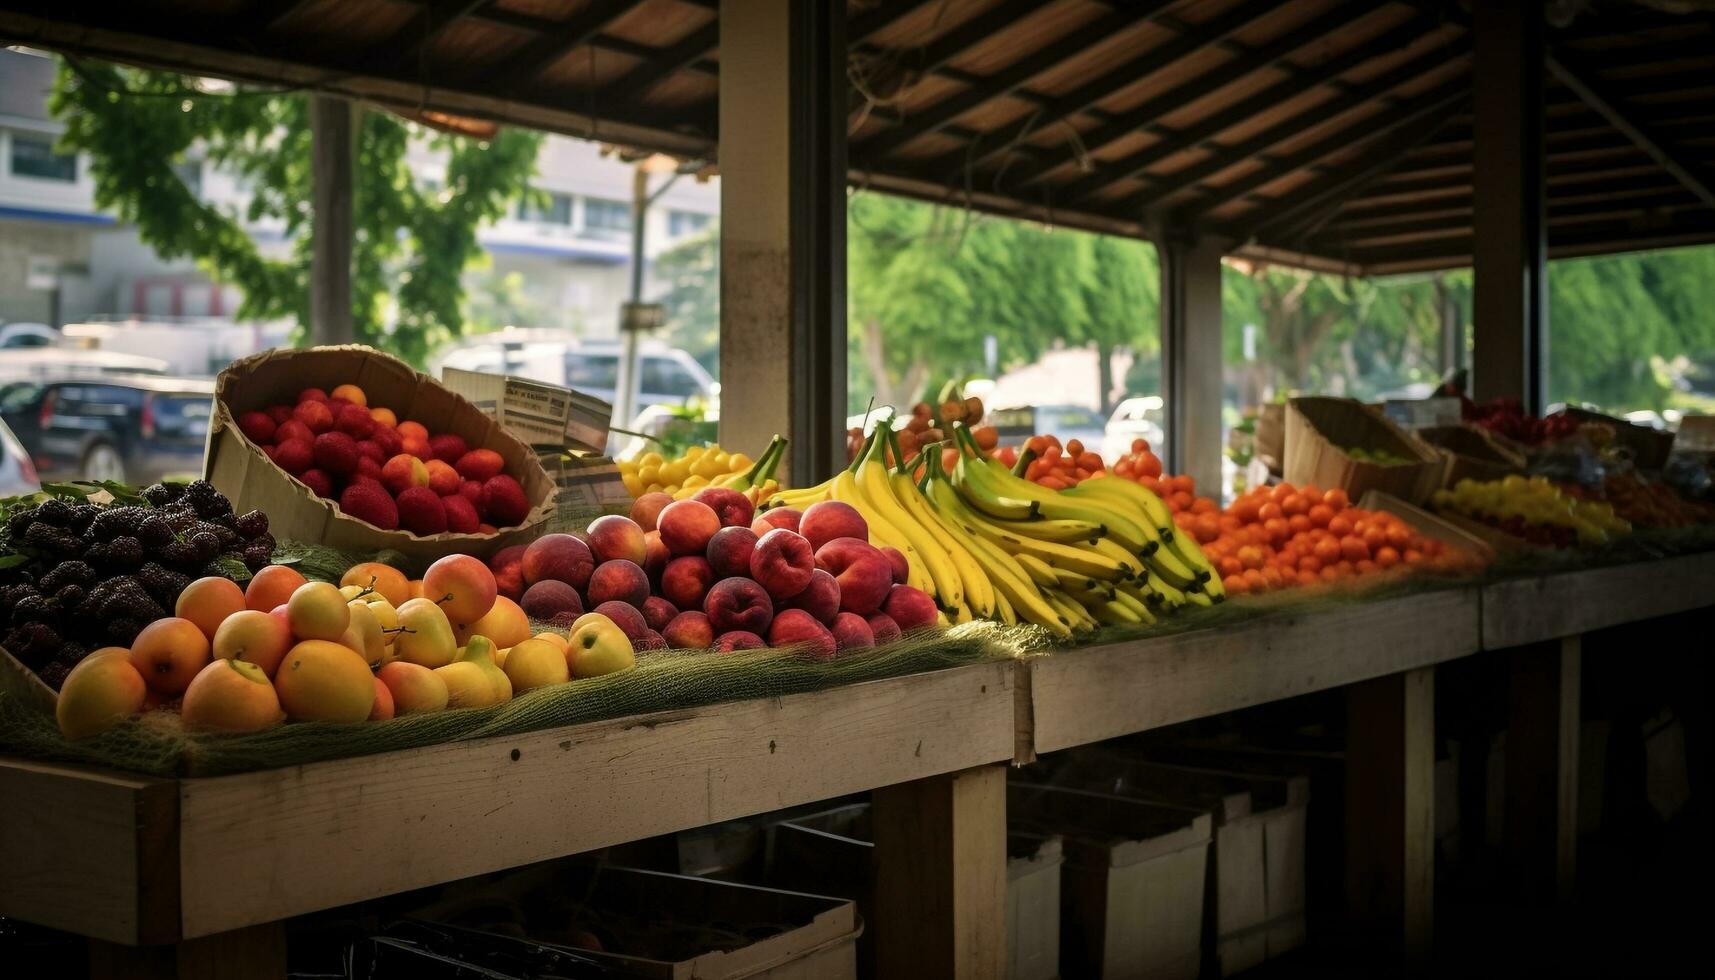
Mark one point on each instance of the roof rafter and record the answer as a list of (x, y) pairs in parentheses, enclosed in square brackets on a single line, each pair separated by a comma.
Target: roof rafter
[(687, 50), (932, 58), (1591, 90), (537, 56), (1048, 56), (427, 24)]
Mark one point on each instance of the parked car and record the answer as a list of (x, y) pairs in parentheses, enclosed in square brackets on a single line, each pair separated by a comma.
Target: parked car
[(1070, 422), (666, 375), (132, 428), (17, 472), (43, 364), (17, 336), (1133, 418)]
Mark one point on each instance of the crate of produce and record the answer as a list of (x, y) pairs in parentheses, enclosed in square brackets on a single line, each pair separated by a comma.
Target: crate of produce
[(1473, 453), (505, 496), (1338, 442), (832, 852), (1455, 534), (658, 926), (1649, 447), (1269, 441), (1133, 881), (1258, 907)]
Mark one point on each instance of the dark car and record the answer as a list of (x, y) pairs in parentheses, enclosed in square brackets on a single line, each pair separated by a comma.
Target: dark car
[(134, 429)]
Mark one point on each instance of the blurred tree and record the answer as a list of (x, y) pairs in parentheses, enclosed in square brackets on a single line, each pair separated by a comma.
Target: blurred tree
[(412, 243), (1122, 294), (494, 301), (691, 274)]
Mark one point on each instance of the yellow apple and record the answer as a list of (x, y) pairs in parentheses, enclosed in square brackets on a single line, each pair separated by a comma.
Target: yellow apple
[(598, 647), (535, 663)]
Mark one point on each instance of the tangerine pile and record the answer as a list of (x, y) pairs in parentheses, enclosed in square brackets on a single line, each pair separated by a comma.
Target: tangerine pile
[(1284, 537), (1058, 467)]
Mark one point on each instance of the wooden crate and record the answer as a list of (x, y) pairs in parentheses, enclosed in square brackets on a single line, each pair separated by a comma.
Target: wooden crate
[(1473, 453), (1649, 447), (1430, 525), (1318, 432), (1133, 885)]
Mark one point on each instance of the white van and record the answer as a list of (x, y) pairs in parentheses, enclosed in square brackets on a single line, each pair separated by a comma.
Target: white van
[(666, 375)]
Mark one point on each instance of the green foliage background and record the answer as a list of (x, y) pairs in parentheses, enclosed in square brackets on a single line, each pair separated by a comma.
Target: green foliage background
[(412, 243)]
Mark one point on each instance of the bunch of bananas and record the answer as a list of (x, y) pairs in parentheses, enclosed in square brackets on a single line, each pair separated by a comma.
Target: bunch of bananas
[(703, 466), (990, 545)]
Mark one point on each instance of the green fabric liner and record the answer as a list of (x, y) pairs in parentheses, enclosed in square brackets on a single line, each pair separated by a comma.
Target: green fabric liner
[(157, 744)]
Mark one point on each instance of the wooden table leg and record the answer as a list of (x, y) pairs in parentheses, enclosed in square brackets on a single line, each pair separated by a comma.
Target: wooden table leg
[(255, 951), (940, 850), (1542, 767), (1390, 811)]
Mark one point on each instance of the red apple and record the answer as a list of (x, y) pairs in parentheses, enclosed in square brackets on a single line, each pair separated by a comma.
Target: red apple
[(901, 567), (733, 508), (655, 555), (851, 632), (863, 573), (645, 509), (910, 608), (821, 598), (690, 631), (738, 604), (508, 566), (739, 640), (883, 627), (658, 612), (782, 563), (829, 519), (613, 537), (686, 580), (561, 557), (768, 520), (798, 629), (618, 581), (686, 527), (627, 618), (729, 551)]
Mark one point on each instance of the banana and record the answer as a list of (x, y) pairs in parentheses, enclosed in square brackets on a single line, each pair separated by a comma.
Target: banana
[(1003, 610), (1077, 615), (1113, 614), (1086, 561), (1012, 584), (1151, 506), (1172, 597), (1136, 606), (1133, 565), (987, 480), (1038, 570), (979, 591), (1076, 584), (967, 475), (873, 484), (847, 491), (1061, 531), (1141, 591)]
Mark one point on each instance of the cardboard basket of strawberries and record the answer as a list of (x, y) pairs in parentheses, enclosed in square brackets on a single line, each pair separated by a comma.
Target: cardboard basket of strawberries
[(351, 448)]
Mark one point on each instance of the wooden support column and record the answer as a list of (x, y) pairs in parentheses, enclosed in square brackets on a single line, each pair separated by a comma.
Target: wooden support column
[(940, 879), (1541, 836), (1390, 811), (1511, 239), (333, 150), (254, 952), (783, 222), (1191, 359)]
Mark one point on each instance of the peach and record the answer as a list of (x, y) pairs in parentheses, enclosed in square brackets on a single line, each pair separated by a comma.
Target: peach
[(553, 601), (169, 653), (645, 509), (350, 393), (416, 689), (254, 637), (689, 631), (462, 586), (883, 628), (536, 663), (768, 520), (622, 615), (480, 465), (385, 579), (655, 555), (317, 611), (505, 623), (686, 527), (549, 636), (272, 586), (208, 601), (826, 520), (798, 629), (821, 598), (901, 567), (383, 708), (317, 416), (738, 604), (403, 472), (409, 430), (508, 567), (729, 551), (739, 640), (782, 563), (618, 581), (323, 681), (612, 538), (733, 508), (231, 696), (863, 573), (562, 557), (652, 641), (658, 612), (443, 479), (103, 690), (851, 632), (910, 608), (384, 416), (686, 580)]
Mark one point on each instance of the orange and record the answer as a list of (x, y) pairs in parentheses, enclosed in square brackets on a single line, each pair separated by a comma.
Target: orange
[(1320, 515), (1352, 548), (1413, 556), (1339, 525), (271, 587), (1281, 491), (1310, 564), (1337, 499), (1295, 503), (1235, 585), (1327, 550), (1386, 557), (1269, 511), (1298, 524)]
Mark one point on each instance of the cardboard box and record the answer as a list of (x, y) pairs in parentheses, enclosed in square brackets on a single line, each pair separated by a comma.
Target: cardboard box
[(537, 413), (1269, 441), (1318, 432), (586, 486), (1472, 453), (1422, 413), (239, 469), (1133, 882), (1649, 447)]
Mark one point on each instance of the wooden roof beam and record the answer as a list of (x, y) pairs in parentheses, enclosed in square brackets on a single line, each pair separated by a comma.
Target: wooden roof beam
[(1593, 92), (1195, 38), (427, 24), (1071, 45), (870, 23), (932, 58), (678, 57), (537, 56), (1206, 129)]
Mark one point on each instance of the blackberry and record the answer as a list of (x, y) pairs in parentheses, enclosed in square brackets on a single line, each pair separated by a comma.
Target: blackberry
[(228, 538), (136, 605), (256, 558), (20, 522), (179, 553), (155, 533), (67, 573), (253, 524), (70, 596), (123, 631), (162, 494), (207, 545), (208, 501), (53, 538), (121, 554), (54, 674), (39, 641), (82, 515), (70, 653), (163, 584), (11, 594), (118, 522), (54, 511), (179, 520), (36, 609)]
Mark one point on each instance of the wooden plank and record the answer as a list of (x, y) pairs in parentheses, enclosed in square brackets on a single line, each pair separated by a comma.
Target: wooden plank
[(1390, 811), (256, 953), (316, 836), (1083, 696), (88, 851), (1541, 835), (1546, 607), (941, 876), (333, 150)]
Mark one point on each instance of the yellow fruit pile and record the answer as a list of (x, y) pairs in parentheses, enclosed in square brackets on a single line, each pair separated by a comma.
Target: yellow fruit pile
[(702, 466)]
